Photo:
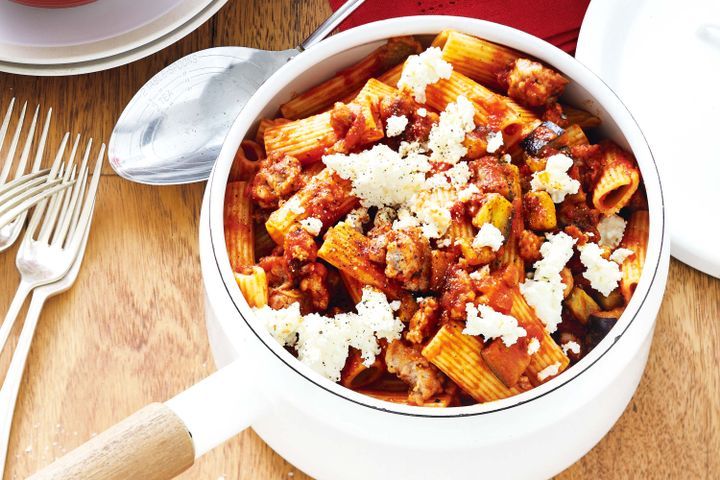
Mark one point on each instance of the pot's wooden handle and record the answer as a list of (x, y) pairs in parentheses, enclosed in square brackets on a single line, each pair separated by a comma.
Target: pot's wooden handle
[(152, 444)]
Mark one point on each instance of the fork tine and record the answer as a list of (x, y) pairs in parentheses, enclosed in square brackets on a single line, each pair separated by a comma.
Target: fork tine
[(12, 188), (41, 146), (29, 198), (54, 209), (13, 146), (62, 212), (74, 200), (6, 122), (88, 204), (20, 170), (78, 207), (40, 208), (20, 188)]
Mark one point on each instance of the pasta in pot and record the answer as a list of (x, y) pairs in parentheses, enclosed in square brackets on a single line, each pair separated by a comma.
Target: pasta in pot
[(432, 227)]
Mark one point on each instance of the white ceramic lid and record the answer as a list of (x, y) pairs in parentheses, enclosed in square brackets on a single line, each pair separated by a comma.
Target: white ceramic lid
[(662, 57)]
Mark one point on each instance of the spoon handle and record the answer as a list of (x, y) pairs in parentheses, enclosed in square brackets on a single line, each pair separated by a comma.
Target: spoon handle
[(329, 25)]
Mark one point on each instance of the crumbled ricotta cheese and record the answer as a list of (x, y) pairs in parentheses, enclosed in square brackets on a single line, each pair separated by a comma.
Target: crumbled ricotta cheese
[(492, 324), (604, 275), (466, 193), (312, 225), (533, 346), (377, 313), (446, 138), (620, 255), (282, 323), (357, 218), (444, 242), (457, 176), (544, 291), (431, 209), (395, 125), (380, 176), (549, 371), (611, 230), (506, 158), (554, 179), (571, 346), (494, 141), (480, 273), (293, 204), (411, 148), (546, 299), (323, 342), (422, 70), (422, 112), (556, 252), (488, 236), (405, 219)]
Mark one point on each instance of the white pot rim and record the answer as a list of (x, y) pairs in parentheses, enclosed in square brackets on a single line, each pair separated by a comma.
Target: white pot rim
[(216, 265)]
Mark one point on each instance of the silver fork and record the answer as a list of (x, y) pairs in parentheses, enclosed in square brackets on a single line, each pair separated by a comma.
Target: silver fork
[(13, 378), (48, 260), (17, 196), (46, 257)]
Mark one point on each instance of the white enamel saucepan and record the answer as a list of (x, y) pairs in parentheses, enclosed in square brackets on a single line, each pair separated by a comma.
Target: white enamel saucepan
[(334, 433)]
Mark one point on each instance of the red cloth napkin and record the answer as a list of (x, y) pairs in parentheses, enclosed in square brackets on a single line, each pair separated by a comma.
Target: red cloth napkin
[(557, 21)]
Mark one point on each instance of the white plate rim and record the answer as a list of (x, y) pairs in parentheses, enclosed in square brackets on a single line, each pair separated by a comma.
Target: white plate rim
[(597, 24), (106, 63), (108, 47)]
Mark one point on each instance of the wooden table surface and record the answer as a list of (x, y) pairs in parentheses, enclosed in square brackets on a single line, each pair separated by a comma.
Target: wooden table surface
[(131, 330)]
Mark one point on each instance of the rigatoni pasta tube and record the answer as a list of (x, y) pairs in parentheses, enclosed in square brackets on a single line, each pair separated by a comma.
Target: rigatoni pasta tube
[(492, 109), (373, 89), (353, 286), (618, 181), (305, 139), (348, 80), (346, 249), (579, 117), (571, 137), (266, 123), (477, 58), (253, 285), (245, 163), (392, 76), (509, 254), (356, 374), (238, 222), (549, 353), (459, 357), (325, 197), (635, 239)]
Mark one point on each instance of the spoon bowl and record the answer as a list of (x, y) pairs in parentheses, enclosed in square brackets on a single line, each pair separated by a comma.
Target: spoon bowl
[(172, 130)]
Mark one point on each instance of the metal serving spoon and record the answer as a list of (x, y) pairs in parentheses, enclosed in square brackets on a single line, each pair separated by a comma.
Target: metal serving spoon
[(172, 130)]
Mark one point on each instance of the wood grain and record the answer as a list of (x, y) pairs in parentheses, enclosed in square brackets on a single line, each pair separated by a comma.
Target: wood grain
[(131, 330), (152, 444)]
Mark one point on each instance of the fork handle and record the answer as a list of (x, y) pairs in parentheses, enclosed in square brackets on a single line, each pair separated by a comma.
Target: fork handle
[(11, 384), (22, 293)]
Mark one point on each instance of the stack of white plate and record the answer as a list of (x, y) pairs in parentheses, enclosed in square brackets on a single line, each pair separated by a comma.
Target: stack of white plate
[(93, 37)]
